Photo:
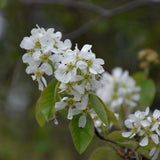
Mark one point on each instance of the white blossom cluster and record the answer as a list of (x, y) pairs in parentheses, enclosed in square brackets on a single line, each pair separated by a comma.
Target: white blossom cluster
[(146, 127), (44, 49), (118, 89), (76, 70), (78, 73)]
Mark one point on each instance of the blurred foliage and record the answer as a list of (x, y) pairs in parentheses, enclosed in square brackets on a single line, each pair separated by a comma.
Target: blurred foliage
[(117, 40)]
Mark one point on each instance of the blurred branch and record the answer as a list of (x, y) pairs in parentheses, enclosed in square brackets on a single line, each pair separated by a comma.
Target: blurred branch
[(82, 29), (103, 13), (109, 14), (76, 4)]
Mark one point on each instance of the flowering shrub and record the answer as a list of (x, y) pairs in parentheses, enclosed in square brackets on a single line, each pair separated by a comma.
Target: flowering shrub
[(95, 101)]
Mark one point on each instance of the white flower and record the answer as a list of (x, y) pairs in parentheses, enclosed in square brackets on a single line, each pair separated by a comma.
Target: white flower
[(143, 125), (74, 108), (118, 89), (44, 53), (94, 64), (67, 73)]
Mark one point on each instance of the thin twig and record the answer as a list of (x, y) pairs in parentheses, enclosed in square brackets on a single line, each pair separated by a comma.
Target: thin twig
[(75, 4), (103, 138), (113, 143), (101, 11), (92, 7), (109, 14), (82, 29)]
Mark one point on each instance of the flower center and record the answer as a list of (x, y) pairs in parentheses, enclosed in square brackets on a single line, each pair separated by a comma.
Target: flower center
[(87, 76), (38, 45), (70, 102), (90, 63), (70, 67), (39, 74), (44, 57)]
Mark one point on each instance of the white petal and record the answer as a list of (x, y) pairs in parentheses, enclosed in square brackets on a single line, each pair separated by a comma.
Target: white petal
[(100, 61), (128, 123), (132, 135), (75, 111), (79, 88), (97, 123), (68, 43), (44, 81), (158, 131), (40, 85), (155, 126), (155, 138), (36, 55), (126, 134), (147, 111), (136, 97), (145, 123), (33, 77), (144, 141), (156, 114), (81, 65), (155, 155), (31, 69), (92, 70), (27, 43), (26, 58), (82, 121), (86, 48), (152, 151), (70, 114), (83, 104), (45, 67), (117, 72), (60, 105)]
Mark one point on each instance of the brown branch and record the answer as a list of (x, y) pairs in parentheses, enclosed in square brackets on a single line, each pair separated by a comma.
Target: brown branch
[(75, 4), (113, 143), (109, 14), (103, 13), (82, 29), (92, 7), (103, 138)]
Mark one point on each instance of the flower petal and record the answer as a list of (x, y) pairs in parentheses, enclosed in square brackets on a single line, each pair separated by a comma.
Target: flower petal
[(155, 138), (126, 134), (82, 121), (144, 141)]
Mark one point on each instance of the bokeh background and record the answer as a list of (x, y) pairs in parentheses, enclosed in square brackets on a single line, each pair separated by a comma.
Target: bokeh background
[(118, 30)]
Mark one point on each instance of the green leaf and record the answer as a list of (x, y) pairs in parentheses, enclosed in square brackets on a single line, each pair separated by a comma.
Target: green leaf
[(99, 108), (39, 116), (46, 102), (105, 153), (81, 136), (148, 89), (112, 118)]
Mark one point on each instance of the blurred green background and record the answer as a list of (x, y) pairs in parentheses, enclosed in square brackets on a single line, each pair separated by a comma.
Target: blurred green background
[(116, 37)]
